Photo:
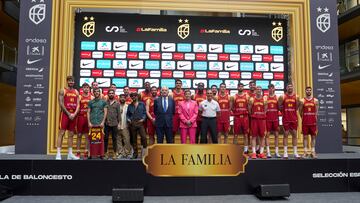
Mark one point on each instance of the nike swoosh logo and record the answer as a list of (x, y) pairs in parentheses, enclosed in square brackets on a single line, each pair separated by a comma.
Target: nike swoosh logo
[(133, 65), (33, 61), (100, 83), (181, 66), (260, 49), (323, 67), (167, 47), (276, 67), (119, 46), (85, 64), (212, 49), (230, 66)]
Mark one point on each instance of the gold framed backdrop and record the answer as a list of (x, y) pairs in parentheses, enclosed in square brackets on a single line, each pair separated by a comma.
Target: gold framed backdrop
[(63, 25)]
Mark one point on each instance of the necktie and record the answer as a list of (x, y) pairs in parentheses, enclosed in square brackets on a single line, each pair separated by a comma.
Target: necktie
[(165, 107)]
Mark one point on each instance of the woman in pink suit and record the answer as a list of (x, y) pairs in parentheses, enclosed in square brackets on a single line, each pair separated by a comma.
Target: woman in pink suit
[(188, 111)]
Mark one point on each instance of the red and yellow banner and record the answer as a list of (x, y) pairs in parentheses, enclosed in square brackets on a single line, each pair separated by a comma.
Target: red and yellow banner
[(174, 160)]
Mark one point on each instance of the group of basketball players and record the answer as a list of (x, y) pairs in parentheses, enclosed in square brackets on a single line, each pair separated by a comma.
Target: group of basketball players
[(255, 115)]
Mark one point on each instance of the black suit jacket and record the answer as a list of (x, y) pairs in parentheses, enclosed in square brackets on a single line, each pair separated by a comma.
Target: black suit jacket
[(164, 119)]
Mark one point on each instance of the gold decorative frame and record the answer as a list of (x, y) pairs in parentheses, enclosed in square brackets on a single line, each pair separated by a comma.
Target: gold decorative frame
[(62, 37)]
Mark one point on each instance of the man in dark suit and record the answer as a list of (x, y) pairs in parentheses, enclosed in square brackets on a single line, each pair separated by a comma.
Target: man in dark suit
[(164, 109)]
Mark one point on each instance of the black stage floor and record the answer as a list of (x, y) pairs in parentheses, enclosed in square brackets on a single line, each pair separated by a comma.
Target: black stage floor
[(42, 175)]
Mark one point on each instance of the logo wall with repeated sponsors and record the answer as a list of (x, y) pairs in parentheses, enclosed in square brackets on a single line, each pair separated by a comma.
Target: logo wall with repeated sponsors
[(129, 50), (326, 74), (33, 77)]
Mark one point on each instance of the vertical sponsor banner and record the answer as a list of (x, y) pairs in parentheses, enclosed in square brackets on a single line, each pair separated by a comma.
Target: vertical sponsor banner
[(33, 76), (326, 74)]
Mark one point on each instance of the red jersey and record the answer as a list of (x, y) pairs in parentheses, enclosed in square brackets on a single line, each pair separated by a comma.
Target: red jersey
[(272, 113), (128, 100), (84, 101), (252, 95), (258, 108), (145, 96), (199, 98), (240, 104), (178, 97), (289, 108), (224, 103), (70, 99), (309, 112), (151, 106)]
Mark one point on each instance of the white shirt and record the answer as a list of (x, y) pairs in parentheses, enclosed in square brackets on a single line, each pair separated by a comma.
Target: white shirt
[(123, 121), (209, 109)]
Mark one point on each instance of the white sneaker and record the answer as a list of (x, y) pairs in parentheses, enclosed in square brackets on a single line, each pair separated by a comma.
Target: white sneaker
[(297, 156), (72, 157), (58, 157), (269, 155), (277, 155), (285, 156)]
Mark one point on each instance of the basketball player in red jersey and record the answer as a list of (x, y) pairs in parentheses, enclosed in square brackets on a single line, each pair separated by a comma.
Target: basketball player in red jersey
[(199, 96), (272, 121), (150, 115), (241, 116), (290, 104), (82, 122), (146, 94), (178, 96), (70, 104), (128, 99), (214, 90), (223, 121), (257, 108), (251, 93), (309, 110)]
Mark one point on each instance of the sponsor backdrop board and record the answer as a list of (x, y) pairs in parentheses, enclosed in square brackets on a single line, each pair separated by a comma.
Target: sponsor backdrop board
[(128, 50), (33, 77), (326, 74)]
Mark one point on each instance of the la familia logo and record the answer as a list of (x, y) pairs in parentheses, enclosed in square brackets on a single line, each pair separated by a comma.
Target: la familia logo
[(277, 32), (88, 29), (183, 30), (323, 20)]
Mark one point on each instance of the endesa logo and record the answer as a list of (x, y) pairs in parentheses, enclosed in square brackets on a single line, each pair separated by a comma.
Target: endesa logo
[(132, 55), (267, 58), (189, 74), (201, 57), (143, 73), (166, 74), (85, 54), (224, 57), (178, 56), (155, 55), (278, 76)]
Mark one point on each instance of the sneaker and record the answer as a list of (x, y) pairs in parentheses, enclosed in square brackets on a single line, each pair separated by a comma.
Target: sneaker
[(305, 155), (106, 156), (313, 155), (297, 156), (86, 154), (58, 157), (115, 155), (253, 155), (72, 157), (277, 155), (78, 154), (262, 156), (285, 156), (269, 155)]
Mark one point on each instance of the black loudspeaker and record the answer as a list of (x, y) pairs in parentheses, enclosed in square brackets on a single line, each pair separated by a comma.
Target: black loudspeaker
[(128, 194), (273, 191)]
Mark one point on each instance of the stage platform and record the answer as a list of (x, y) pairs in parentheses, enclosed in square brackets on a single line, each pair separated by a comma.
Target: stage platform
[(42, 175)]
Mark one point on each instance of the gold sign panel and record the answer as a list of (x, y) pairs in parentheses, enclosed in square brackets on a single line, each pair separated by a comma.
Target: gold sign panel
[(173, 160)]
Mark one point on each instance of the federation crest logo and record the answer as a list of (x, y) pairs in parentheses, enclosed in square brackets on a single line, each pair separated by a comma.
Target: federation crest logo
[(88, 29), (183, 30), (323, 20), (277, 32), (37, 13)]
